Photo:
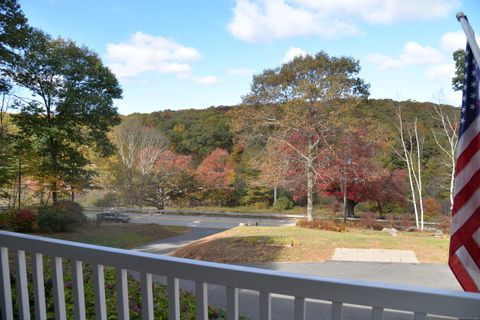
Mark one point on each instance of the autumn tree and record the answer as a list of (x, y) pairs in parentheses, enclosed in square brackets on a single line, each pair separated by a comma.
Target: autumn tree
[(171, 179), (273, 166), (216, 175), (14, 36), (352, 173), (68, 105), (304, 99)]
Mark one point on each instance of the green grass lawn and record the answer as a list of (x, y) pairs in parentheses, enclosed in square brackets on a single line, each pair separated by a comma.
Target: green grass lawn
[(265, 244), (119, 235)]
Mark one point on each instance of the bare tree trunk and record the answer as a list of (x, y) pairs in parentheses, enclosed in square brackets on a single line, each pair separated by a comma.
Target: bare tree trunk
[(449, 132), (310, 178), (406, 156), (419, 172), (19, 182), (274, 194), (309, 192)]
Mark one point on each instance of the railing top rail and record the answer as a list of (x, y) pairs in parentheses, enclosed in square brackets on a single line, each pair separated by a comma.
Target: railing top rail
[(430, 301)]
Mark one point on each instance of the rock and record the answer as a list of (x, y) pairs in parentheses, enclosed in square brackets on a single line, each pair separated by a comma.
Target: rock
[(392, 231)]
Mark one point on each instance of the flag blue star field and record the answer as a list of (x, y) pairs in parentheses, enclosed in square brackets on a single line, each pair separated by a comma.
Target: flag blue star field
[(464, 256)]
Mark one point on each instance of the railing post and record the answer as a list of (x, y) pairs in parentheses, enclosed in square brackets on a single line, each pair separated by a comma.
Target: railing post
[(99, 288), (58, 288), (122, 294), (201, 296), (420, 316), (147, 296), (173, 299), (337, 310), (5, 288), (22, 285), (377, 313), (232, 303), (265, 306), (300, 308), (78, 290), (39, 286)]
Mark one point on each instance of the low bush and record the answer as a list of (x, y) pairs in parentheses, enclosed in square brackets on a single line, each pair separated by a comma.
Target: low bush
[(187, 300), (59, 218), (23, 220), (72, 210), (369, 221), (445, 223), (283, 203), (322, 225), (108, 200)]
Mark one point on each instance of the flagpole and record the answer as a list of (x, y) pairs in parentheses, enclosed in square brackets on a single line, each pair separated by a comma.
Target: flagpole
[(467, 28)]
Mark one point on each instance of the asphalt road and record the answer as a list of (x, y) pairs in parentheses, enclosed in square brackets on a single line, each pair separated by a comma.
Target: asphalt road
[(200, 221)]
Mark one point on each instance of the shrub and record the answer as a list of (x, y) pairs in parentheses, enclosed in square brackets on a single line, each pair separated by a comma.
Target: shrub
[(60, 217), (369, 221), (283, 203), (322, 225), (160, 298), (255, 195), (72, 210), (6, 217), (405, 222), (431, 206), (445, 223), (24, 220), (107, 201), (261, 205)]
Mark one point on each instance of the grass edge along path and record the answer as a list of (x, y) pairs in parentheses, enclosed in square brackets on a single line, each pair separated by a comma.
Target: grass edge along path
[(295, 244), (124, 236)]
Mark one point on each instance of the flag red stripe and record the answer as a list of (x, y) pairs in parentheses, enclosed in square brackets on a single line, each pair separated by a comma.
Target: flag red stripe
[(461, 274), (465, 232), (467, 191), (467, 154)]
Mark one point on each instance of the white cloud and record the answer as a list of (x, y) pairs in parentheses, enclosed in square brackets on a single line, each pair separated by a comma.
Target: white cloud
[(146, 53), (242, 72), (413, 54), (385, 11), (452, 41), (441, 72), (292, 53), (207, 80), (276, 19), (265, 20)]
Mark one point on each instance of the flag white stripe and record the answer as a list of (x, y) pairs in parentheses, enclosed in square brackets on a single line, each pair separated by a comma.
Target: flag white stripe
[(476, 237), (468, 135), (469, 264), (468, 171), (466, 211)]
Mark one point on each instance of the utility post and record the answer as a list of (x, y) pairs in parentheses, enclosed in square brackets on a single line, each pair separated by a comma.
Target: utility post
[(347, 162)]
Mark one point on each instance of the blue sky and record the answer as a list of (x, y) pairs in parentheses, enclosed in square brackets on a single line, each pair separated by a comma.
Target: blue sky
[(196, 54)]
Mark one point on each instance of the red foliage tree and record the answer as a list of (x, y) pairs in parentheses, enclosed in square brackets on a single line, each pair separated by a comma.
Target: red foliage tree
[(215, 171), (356, 168)]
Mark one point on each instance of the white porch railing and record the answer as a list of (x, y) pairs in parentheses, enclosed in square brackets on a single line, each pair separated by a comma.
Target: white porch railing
[(421, 302)]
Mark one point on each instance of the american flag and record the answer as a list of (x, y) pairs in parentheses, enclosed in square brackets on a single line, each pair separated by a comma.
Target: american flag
[(464, 256)]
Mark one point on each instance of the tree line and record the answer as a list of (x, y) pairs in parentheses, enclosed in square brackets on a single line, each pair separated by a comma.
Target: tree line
[(306, 132)]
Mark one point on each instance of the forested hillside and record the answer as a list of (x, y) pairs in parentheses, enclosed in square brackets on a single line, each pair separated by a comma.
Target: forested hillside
[(204, 161)]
